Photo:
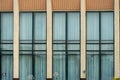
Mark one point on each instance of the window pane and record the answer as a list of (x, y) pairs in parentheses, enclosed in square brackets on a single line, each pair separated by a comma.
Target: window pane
[(73, 67), (7, 67), (92, 47), (73, 53), (107, 25), (6, 26), (26, 26), (92, 41), (107, 47), (92, 67), (73, 41), (40, 26), (92, 26), (25, 67), (59, 25), (59, 41), (26, 52), (39, 46), (92, 53), (25, 46), (73, 26), (73, 46), (107, 41), (107, 53), (7, 52), (39, 53), (40, 67), (6, 46), (61, 52), (59, 71), (107, 67), (58, 46)]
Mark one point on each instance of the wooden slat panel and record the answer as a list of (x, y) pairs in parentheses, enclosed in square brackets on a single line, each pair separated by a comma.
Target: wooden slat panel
[(6, 5), (119, 4), (32, 5), (100, 4), (66, 5)]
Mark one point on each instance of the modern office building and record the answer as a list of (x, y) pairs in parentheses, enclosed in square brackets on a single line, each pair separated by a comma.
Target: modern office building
[(59, 40)]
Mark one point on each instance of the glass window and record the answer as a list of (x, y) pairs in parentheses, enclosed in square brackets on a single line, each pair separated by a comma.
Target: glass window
[(59, 26), (6, 61), (93, 26), (66, 46), (100, 46), (33, 46)]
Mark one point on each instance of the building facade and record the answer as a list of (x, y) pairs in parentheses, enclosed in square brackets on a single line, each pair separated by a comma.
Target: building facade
[(59, 40)]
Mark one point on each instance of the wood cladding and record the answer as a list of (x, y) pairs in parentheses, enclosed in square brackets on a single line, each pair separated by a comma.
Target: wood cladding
[(60, 5), (119, 4), (32, 5), (6, 5), (66, 5), (100, 4)]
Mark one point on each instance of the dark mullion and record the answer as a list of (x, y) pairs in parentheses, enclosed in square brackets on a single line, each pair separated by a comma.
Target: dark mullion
[(113, 45), (0, 51), (33, 58), (99, 45), (66, 38)]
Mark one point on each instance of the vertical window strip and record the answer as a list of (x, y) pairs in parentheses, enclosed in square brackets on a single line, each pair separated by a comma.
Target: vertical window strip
[(102, 43), (40, 39), (69, 53), (107, 38), (6, 40), (26, 46), (59, 43), (38, 51), (73, 40)]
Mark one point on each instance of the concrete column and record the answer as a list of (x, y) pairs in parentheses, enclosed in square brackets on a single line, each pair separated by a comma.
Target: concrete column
[(16, 41), (83, 40), (117, 39), (49, 40)]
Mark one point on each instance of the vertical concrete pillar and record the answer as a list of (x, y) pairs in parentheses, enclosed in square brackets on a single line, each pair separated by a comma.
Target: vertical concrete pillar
[(16, 41), (83, 40), (49, 40), (117, 40)]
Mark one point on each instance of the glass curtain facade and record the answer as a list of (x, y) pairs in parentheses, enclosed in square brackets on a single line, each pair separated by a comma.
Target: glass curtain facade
[(6, 47), (100, 46), (33, 46), (66, 46)]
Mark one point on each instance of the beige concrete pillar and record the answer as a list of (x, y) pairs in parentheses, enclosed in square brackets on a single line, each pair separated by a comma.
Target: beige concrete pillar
[(49, 40), (16, 40), (83, 39), (117, 39)]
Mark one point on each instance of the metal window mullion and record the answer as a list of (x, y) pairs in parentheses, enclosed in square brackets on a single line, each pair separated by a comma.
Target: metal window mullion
[(33, 58), (66, 38)]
